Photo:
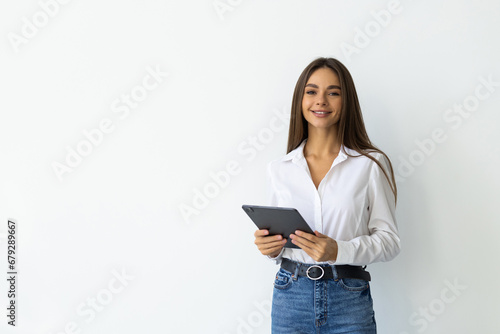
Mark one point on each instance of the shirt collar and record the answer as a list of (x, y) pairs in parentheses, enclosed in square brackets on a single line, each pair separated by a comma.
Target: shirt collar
[(297, 155)]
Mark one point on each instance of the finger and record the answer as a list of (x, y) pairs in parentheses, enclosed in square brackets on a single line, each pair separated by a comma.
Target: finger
[(272, 244), (306, 235), (271, 247), (308, 240), (271, 251), (260, 233), (302, 243), (268, 239), (319, 235), (311, 249)]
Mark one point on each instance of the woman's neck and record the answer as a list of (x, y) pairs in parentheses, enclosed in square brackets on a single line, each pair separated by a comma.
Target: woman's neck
[(322, 143)]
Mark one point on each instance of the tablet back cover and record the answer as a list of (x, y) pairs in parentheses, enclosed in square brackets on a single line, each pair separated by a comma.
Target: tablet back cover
[(278, 220)]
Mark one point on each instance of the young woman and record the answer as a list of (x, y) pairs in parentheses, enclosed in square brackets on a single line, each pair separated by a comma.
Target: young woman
[(344, 188)]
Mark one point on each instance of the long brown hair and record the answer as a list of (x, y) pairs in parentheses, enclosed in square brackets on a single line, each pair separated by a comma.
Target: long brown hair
[(352, 132)]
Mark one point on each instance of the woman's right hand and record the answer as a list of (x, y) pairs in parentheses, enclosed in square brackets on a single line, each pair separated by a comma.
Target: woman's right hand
[(269, 245)]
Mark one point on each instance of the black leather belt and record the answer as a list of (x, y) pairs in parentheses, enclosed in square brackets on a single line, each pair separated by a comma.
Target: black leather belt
[(316, 271)]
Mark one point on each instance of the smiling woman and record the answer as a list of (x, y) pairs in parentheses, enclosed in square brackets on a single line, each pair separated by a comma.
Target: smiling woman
[(322, 101), (344, 188)]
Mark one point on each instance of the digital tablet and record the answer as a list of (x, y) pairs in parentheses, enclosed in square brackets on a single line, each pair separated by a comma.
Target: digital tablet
[(278, 220)]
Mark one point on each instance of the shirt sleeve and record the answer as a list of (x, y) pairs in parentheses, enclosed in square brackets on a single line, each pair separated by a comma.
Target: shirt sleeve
[(383, 243), (272, 200)]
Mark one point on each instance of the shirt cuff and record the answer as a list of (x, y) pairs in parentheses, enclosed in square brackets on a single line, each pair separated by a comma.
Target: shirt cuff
[(345, 253)]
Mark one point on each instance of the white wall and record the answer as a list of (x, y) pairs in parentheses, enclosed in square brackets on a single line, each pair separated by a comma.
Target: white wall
[(230, 73)]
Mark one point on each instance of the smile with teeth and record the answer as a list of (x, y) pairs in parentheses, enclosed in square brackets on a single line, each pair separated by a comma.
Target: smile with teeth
[(321, 112)]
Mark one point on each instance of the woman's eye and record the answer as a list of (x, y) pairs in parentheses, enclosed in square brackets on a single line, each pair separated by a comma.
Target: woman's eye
[(312, 92)]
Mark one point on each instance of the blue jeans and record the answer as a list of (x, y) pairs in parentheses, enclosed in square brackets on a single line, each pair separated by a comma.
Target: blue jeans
[(301, 305)]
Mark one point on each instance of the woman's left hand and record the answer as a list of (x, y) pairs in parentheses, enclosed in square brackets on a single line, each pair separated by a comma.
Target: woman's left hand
[(318, 246)]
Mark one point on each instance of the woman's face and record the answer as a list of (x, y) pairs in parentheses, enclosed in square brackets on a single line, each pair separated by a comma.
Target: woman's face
[(322, 100)]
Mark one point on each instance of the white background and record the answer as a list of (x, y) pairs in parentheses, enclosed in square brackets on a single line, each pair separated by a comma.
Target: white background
[(230, 71)]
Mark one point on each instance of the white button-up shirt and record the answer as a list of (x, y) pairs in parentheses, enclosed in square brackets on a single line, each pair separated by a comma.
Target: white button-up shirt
[(354, 205)]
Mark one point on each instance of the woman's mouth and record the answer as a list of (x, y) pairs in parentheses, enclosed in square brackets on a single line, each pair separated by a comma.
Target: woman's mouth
[(321, 113)]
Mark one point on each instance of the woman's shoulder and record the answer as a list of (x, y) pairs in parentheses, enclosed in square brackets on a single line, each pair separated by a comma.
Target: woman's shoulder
[(280, 164), (273, 164), (368, 156), (289, 156)]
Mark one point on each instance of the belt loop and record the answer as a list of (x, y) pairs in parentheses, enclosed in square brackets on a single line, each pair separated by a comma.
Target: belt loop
[(295, 275), (335, 274)]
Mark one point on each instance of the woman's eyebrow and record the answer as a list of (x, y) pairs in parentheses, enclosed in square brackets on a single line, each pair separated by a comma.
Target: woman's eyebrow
[(329, 87)]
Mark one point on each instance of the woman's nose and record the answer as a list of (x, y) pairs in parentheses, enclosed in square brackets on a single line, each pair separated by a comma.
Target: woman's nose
[(320, 100)]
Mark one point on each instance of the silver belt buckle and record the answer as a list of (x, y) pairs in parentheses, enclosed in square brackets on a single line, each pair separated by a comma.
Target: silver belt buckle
[(317, 278)]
